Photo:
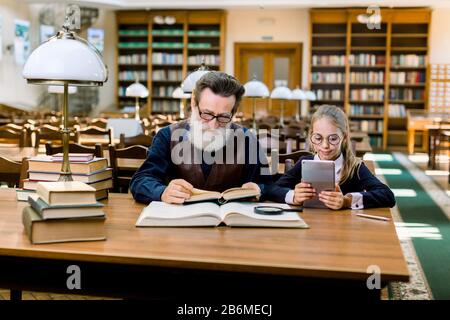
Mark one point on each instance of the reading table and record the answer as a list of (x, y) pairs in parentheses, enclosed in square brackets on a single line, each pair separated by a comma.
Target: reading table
[(330, 260)]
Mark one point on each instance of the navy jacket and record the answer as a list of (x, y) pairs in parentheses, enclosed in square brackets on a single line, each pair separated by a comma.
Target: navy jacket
[(149, 181), (375, 193)]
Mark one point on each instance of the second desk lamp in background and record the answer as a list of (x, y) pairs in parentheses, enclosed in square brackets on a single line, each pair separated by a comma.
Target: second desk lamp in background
[(255, 89), (299, 95), (281, 93), (65, 59), (179, 94), (310, 96), (137, 90)]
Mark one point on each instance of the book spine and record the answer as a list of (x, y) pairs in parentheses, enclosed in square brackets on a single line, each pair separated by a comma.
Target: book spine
[(27, 223)]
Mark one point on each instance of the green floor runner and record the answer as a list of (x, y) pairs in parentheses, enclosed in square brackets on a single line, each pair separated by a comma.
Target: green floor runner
[(434, 254)]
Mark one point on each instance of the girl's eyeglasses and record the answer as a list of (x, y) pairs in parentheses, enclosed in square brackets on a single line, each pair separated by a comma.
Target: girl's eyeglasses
[(332, 139)]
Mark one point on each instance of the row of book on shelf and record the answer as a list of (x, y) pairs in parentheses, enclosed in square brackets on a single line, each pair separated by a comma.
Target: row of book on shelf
[(208, 59), (180, 32), (329, 94), (367, 77), (406, 94), (131, 75), (163, 91), (167, 58), (167, 75), (165, 106), (377, 77), (397, 111), (367, 94), (367, 59), (321, 77), (410, 77), (370, 125), (376, 141), (133, 59), (328, 60), (65, 211), (357, 110)]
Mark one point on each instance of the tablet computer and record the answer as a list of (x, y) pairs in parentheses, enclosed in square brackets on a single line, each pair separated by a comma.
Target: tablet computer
[(320, 174)]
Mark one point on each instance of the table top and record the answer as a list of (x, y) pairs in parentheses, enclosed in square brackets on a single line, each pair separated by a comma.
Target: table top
[(337, 245)]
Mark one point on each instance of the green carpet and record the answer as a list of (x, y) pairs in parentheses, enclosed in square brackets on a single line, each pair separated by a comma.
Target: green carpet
[(434, 254)]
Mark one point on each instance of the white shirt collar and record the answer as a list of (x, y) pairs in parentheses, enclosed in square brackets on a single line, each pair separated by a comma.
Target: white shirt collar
[(338, 163)]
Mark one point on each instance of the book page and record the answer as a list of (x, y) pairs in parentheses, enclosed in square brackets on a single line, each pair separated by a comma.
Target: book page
[(247, 209), (162, 210), (199, 195), (237, 193)]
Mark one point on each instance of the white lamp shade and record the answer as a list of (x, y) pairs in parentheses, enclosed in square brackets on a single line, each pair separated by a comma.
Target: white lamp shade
[(179, 94), (65, 60), (60, 89), (136, 90), (310, 95), (281, 93), (188, 84), (257, 89), (298, 94)]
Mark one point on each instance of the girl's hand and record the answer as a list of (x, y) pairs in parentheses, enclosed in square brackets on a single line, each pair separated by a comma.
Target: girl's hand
[(303, 191), (335, 199)]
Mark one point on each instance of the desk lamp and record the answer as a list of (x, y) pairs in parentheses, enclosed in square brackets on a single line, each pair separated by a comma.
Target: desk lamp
[(65, 59), (282, 93), (137, 90), (255, 89)]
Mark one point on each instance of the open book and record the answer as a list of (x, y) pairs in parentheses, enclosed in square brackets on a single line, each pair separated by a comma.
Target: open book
[(229, 194), (236, 214)]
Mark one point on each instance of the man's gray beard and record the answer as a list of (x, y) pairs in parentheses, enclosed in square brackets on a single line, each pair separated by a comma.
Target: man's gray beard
[(206, 139)]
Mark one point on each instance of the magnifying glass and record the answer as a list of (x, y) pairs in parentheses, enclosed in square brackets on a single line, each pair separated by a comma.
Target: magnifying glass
[(272, 210)]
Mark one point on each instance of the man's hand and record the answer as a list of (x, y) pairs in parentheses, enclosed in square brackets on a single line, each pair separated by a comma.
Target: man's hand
[(335, 199), (177, 191), (252, 185)]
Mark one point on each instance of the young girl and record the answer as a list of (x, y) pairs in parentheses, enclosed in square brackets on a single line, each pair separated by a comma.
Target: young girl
[(358, 188)]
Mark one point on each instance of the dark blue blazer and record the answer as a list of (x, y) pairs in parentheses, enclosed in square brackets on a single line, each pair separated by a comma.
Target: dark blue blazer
[(375, 193)]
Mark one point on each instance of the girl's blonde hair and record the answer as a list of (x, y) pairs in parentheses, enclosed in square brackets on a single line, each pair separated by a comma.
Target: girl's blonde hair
[(339, 119)]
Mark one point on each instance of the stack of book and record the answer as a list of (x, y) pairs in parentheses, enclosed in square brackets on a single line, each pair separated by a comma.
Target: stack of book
[(84, 166), (62, 212)]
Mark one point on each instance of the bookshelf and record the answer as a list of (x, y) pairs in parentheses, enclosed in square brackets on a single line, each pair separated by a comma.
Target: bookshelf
[(132, 46), (384, 69), (170, 52)]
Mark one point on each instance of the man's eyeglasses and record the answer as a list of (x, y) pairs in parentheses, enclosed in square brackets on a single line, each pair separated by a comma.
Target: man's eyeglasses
[(332, 139), (221, 118)]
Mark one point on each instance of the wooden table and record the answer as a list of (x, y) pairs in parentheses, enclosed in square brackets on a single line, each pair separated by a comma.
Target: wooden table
[(328, 260)]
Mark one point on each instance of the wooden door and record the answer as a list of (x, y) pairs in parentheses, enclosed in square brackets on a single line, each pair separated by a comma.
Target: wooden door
[(275, 64)]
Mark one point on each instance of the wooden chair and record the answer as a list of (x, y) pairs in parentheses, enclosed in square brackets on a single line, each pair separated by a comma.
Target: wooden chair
[(295, 133), (93, 135), (99, 123), (140, 139), (47, 133), (8, 136), (96, 150), (13, 172), (290, 159), (269, 142), (122, 175)]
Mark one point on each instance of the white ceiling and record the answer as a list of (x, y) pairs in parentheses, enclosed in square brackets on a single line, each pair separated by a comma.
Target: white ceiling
[(248, 4)]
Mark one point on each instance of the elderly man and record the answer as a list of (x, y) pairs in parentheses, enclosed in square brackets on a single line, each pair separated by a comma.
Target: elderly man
[(202, 152)]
